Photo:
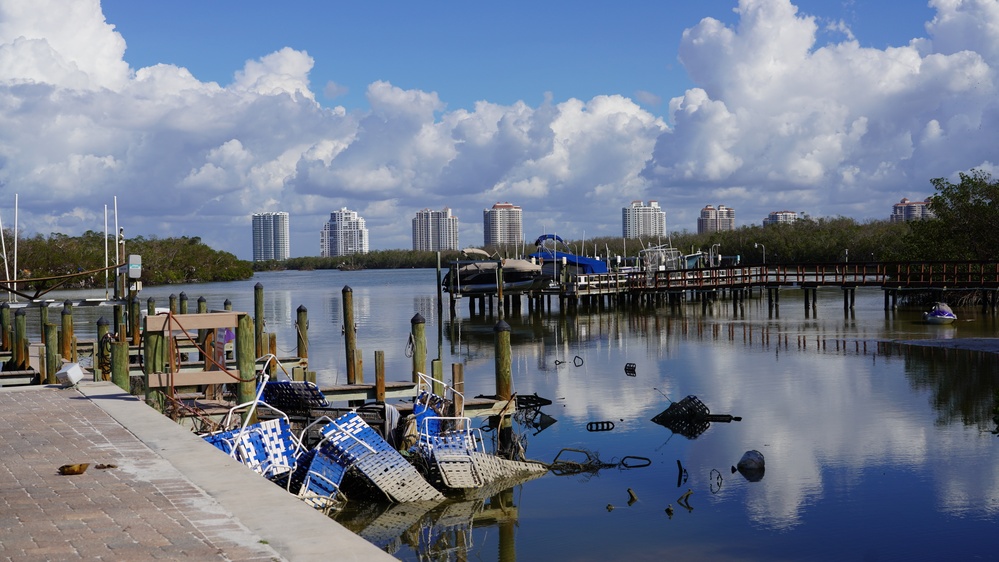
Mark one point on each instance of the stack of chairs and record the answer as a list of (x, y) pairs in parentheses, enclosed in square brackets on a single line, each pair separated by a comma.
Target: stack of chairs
[(351, 440), (447, 442)]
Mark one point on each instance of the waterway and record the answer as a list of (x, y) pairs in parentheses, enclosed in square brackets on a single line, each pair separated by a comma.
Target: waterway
[(873, 451)]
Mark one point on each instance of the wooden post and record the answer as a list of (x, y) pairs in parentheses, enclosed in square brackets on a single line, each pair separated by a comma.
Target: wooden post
[(102, 354), (119, 365), (43, 319), (504, 383), (358, 366), (52, 362), (5, 326), (154, 355), (203, 333), (134, 315), (245, 360), (172, 303), (20, 344), (350, 334), (272, 348), (437, 372), (183, 303), (150, 306), (458, 384), (227, 304), (258, 319), (119, 333), (379, 376), (419, 340), (302, 334), (68, 349), (504, 364)]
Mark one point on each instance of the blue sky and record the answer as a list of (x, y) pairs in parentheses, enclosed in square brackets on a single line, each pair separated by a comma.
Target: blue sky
[(464, 51), (195, 114)]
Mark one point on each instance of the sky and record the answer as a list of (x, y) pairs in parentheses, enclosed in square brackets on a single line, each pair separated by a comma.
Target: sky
[(189, 116)]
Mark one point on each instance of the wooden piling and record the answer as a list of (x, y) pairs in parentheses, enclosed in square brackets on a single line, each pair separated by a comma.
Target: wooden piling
[(379, 376), (172, 303), (504, 376), (202, 333), (68, 349), (437, 373), (43, 319), (102, 354), (154, 355), (302, 334), (20, 351), (133, 319), (5, 327), (119, 365), (182, 307), (258, 319), (350, 334), (52, 360), (246, 360), (418, 339), (458, 384)]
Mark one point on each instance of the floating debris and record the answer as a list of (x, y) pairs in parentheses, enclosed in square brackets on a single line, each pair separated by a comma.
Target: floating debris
[(684, 500), (600, 426), (632, 497), (681, 476), (690, 417), (591, 463), (751, 466), (669, 510), (630, 369)]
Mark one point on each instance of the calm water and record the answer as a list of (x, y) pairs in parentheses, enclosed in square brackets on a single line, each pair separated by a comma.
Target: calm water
[(872, 452)]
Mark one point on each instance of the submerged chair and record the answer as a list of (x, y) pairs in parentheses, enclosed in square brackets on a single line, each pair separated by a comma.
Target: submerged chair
[(447, 442), (353, 443), (269, 447)]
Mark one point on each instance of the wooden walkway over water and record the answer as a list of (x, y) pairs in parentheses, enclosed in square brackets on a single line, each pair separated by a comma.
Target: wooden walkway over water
[(674, 286)]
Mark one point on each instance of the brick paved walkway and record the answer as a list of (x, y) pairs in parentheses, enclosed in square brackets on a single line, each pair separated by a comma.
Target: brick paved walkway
[(145, 508)]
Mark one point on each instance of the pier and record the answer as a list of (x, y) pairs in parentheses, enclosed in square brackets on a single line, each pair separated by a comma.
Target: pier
[(703, 284)]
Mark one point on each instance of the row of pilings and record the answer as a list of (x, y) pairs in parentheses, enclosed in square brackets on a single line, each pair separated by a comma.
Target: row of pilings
[(117, 351), (537, 302)]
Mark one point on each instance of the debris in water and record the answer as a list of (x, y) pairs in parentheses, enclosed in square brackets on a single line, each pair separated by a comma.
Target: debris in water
[(690, 417), (669, 510), (600, 426), (751, 466)]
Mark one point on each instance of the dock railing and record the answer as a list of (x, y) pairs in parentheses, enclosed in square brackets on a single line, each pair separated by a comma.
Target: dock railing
[(910, 275)]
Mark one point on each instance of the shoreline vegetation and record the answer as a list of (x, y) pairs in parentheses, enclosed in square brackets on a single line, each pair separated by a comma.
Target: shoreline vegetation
[(963, 229)]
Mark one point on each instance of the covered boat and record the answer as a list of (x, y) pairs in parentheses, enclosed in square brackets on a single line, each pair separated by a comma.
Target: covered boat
[(939, 314), (479, 275)]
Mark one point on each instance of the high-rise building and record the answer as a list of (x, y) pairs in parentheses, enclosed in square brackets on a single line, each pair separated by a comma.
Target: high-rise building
[(906, 210), (780, 217), (435, 230), (641, 220), (270, 236), (502, 225), (716, 220), (344, 234)]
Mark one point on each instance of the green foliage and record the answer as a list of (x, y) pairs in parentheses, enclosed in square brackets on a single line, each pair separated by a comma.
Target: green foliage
[(967, 215), (164, 261), (378, 259)]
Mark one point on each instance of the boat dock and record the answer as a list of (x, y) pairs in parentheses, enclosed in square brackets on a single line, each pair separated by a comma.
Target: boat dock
[(704, 284), (153, 489)]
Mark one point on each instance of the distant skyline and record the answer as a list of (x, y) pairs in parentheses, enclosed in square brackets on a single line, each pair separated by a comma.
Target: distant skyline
[(198, 114)]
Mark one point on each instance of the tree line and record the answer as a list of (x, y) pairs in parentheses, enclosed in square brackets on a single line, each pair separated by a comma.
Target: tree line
[(965, 227), (164, 261)]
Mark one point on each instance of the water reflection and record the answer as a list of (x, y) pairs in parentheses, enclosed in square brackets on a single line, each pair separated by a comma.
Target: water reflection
[(872, 449)]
